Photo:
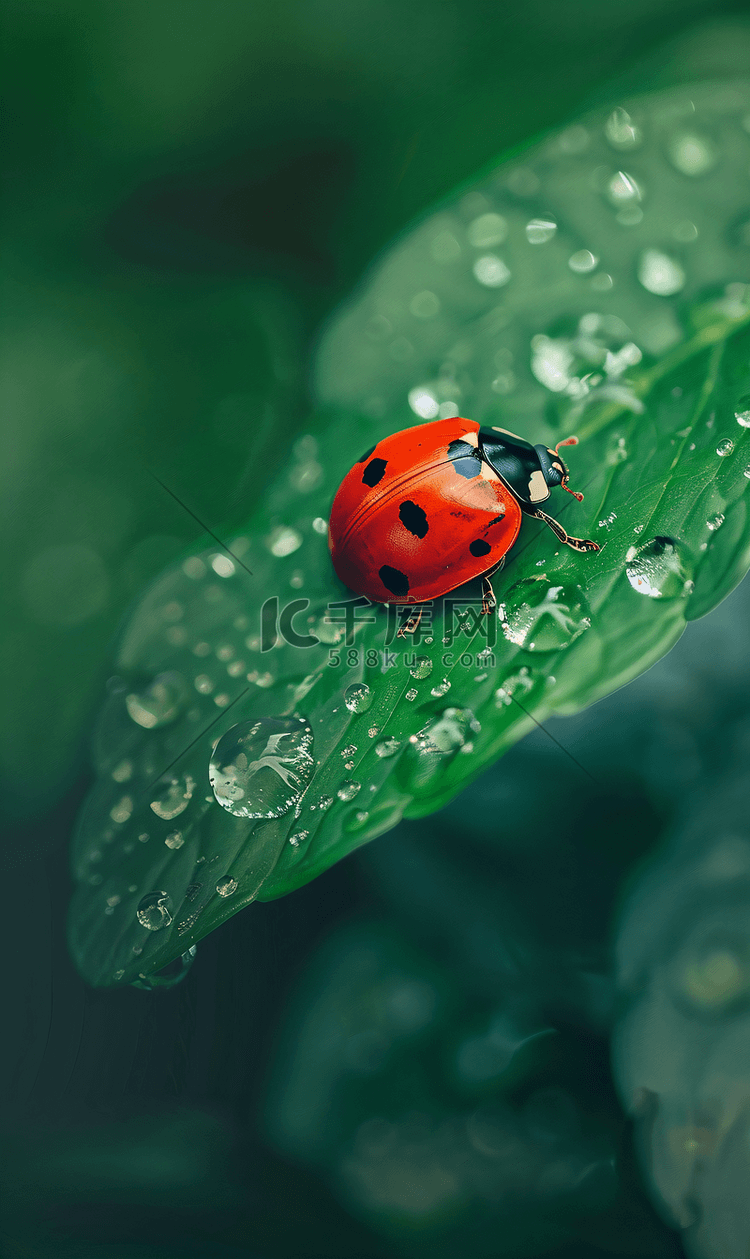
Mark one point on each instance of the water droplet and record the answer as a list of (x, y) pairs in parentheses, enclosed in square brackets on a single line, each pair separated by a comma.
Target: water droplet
[(387, 747), (194, 568), (349, 750), (123, 772), (491, 271), (222, 565), (203, 684), (623, 189), (516, 686), (174, 840), (540, 616), (227, 886), (122, 811), (692, 154), (174, 797), (621, 131), (437, 743), (118, 974), (487, 230), (155, 911), (348, 789), (656, 569), (742, 411), (725, 447), (422, 667), (358, 697), (445, 248), (284, 541), (425, 305), (441, 688), (320, 525), (160, 703), (715, 522), (411, 694), (261, 768), (169, 975), (746, 471), (423, 402), (539, 231), (659, 273), (685, 232), (373, 732), (298, 838), (583, 261), (716, 976), (323, 804)]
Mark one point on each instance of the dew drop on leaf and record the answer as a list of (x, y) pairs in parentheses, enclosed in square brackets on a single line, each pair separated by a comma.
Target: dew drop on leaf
[(159, 703), (174, 797), (348, 789), (155, 911), (441, 688), (660, 274), (725, 447), (715, 522), (261, 768), (621, 131), (658, 570), (411, 694), (539, 231), (692, 154), (540, 616), (227, 886), (387, 747), (296, 839), (358, 697), (170, 975), (174, 839), (422, 667), (742, 411)]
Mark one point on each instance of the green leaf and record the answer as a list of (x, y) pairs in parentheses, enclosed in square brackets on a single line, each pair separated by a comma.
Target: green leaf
[(596, 284)]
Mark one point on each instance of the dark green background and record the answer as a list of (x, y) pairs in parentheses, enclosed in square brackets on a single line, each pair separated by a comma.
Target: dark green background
[(190, 188)]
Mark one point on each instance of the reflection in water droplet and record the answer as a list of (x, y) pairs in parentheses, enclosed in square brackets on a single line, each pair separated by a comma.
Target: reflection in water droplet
[(169, 975), (422, 667), (387, 747), (358, 697), (715, 522), (659, 273), (742, 411), (348, 790), (155, 911), (261, 768), (441, 688), (692, 154), (491, 271), (621, 131), (173, 798), (725, 447), (657, 569), (160, 703), (540, 616), (227, 886), (539, 231)]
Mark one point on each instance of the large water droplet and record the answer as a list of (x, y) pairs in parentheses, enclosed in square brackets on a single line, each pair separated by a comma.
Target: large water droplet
[(358, 697), (348, 789), (169, 975), (725, 447), (155, 911), (659, 273), (159, 703), (540, 616), (422, 667), (621, 131), (227, 886), (173, 797), (657, 570), (261, 768), (692, 154)]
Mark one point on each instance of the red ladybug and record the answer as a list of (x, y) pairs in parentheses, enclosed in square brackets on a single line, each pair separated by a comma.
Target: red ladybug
[(434, 506)]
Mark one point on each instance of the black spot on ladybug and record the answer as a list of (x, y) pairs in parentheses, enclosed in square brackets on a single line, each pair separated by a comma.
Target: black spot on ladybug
[(367, 454), (480, 547), (496, 520), (374, 471), (414, 518), (464, 458), (393, 580)]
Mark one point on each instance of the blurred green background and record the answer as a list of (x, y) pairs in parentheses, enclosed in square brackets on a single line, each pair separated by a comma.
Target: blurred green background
[(190, 189)]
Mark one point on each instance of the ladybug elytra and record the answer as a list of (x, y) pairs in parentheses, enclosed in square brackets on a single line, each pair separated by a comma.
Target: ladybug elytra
[(432, 507)]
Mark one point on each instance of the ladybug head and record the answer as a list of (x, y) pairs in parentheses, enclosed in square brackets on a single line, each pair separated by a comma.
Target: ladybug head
[(554, 468)]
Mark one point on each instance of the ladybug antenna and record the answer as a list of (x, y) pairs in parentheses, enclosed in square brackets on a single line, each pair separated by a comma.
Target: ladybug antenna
[(568, 441)]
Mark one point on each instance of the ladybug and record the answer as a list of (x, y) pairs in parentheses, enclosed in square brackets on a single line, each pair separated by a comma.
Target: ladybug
[(429, 508)]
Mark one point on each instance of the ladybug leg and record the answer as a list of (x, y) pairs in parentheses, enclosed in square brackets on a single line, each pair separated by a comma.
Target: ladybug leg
[(577, 544), (489, 602), (410, 626)]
